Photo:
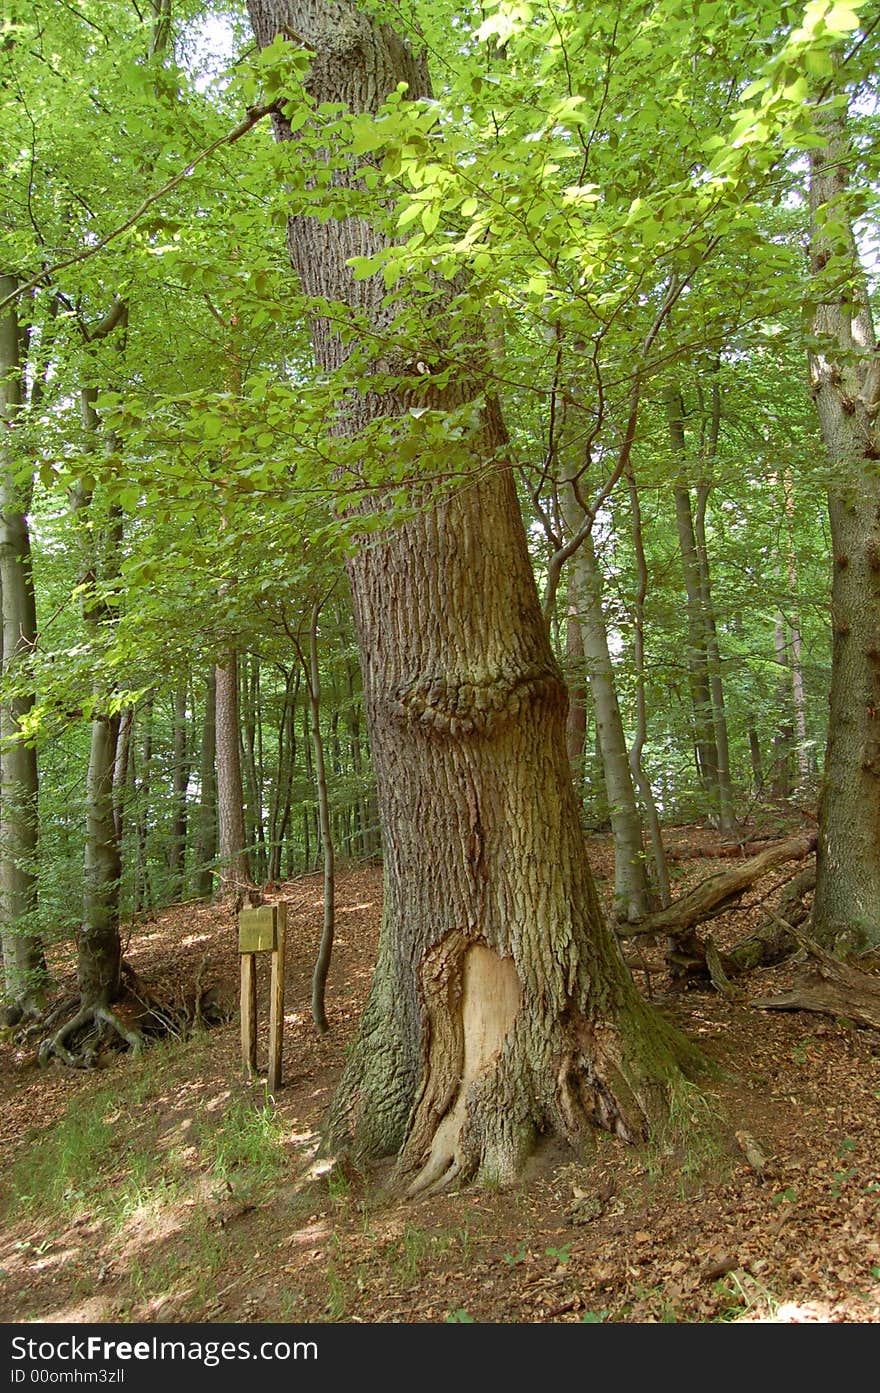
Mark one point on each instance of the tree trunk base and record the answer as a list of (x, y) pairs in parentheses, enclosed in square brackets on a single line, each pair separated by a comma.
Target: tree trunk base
[(498, 1075)]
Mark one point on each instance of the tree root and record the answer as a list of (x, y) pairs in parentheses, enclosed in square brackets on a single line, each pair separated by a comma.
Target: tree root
[(104, 1020), (88, 1031)]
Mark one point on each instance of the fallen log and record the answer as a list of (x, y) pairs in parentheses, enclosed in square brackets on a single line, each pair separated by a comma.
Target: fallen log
[(773, 941), (829, 987), (720, 851), (718, 892)]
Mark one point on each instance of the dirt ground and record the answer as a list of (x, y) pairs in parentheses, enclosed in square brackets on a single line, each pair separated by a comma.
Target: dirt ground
[(167, 1189)]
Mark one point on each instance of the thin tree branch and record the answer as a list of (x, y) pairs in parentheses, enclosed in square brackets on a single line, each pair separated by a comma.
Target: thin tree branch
[(254, 115)]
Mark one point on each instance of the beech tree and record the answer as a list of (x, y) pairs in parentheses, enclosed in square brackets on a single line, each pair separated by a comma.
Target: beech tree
[(845, 377), (24, 964)]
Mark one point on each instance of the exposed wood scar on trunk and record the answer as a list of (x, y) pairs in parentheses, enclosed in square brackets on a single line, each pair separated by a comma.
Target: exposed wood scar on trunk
[(480, 996)]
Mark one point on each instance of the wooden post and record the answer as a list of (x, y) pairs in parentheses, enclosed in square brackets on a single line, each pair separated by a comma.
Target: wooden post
[(262, 930), (276, 1001), (249, 1013)]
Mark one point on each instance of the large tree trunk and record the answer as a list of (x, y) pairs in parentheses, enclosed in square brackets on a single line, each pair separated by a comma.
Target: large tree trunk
[(846, 385), (24, 965), (501, 1005)]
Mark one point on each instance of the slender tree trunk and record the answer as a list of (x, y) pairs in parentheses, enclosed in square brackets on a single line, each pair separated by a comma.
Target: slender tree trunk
[(698, 673), (640, 778), (322, 962), (235, 875), (846, 386), (205, 848), (501, 1005), (23, 961), (726, 818), (99, 950), (121, 771), (177, 847), (632, 897), (755, 757), (799, 701), (143, 898), (251, 742), (784, 735)]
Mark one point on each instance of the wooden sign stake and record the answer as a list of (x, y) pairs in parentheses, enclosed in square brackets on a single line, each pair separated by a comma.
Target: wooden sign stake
[(262, 930)]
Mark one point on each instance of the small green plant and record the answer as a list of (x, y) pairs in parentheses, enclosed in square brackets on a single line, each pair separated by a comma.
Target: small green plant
[(788, 1196), (337, 1303), (516, 1258), (246, 1146), (415, 1244), (839, 1181), (743, 1295), (459, 1317), (561, 1254), (594, 1317), (338, 1188)]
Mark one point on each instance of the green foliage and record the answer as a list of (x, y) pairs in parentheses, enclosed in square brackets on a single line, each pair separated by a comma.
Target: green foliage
[(597, 205)]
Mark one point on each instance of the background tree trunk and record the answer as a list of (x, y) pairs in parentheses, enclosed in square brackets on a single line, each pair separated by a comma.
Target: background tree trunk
[(23, 961), (632, 896), (205, 849), (846, 385), (235, 873), (180, 776)]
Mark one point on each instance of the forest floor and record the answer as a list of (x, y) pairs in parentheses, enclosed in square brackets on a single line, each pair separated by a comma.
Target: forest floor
[(166, 1189)]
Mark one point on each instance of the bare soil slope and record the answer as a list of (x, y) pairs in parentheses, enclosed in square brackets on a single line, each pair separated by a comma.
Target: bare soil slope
[(166, 1189)]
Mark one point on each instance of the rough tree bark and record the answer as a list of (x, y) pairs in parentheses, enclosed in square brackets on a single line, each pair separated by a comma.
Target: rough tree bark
[(500, 1005), (576, 722), (846, 386)]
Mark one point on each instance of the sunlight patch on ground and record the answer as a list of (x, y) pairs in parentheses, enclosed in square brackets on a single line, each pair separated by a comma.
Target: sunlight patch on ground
[(92, 1310)]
